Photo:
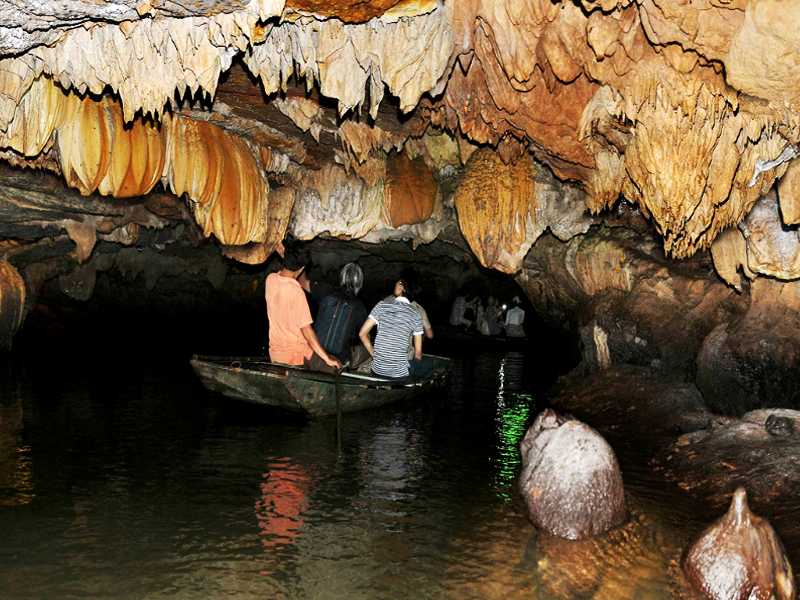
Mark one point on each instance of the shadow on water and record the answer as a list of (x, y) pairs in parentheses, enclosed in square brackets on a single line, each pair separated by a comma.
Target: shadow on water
[(121, 477)]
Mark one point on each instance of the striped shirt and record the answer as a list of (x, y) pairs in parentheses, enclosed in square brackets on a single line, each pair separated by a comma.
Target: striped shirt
[(397, 320)]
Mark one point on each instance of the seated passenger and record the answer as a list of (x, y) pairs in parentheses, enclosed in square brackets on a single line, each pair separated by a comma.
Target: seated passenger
[(292, 340), (423, 366), (341, 315), (397, 320)]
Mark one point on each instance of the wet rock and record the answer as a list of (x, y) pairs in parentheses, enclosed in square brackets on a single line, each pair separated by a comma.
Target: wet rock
[(630, 306), (759, 450), (570, 480), (754, 362), (739, 558), (779, 426), (654, 405), (12, 303)]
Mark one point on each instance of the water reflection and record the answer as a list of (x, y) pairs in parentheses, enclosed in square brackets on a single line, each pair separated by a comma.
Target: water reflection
[(284, 499), (511, 418), (149, 488), (16, 466)]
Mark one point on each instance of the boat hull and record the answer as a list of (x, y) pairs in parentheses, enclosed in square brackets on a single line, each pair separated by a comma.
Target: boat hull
[(316, 394)]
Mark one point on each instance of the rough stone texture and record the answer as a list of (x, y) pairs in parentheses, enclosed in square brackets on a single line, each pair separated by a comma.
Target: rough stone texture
[(12, 303), (739, 558), (409, 192), (760, 450), (649, 311), (763, 244), (503, 209), (570, 478), (753, 362), (685, 109)]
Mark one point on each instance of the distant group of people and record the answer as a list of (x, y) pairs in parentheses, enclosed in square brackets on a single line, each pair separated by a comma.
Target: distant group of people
[(493, 318), (341, 333)]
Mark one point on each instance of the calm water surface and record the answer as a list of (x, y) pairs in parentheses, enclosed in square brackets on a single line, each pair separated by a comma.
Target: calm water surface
[(124, 479)]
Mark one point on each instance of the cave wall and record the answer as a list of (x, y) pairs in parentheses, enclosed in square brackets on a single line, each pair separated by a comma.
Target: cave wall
[(507, 129)]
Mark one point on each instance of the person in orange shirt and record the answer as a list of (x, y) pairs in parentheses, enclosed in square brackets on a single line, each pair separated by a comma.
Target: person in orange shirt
[(292, 340)]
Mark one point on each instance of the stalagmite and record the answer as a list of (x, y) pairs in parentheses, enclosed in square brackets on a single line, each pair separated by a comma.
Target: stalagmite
[(12, 303), (570, 478), (739, 557)]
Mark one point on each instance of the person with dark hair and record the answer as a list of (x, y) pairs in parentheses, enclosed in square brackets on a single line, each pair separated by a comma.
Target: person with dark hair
[(397, 321), (292, 340), (341, 315), (410, 277)]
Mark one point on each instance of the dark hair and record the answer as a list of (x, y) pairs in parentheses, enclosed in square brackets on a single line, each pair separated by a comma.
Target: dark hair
[(411, 287), (295, 256)]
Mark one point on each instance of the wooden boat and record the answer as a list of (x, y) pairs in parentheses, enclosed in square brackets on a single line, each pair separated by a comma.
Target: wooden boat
[(254, 379)]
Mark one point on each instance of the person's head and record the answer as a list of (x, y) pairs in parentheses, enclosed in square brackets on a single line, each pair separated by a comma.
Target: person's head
[(516, 301), (295, 258), (351, 279), (404, 288), (407, 286)]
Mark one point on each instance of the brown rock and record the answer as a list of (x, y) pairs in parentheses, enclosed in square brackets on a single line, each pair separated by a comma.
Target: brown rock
[(570, 478), (12, 303), (739, 558), (409, 192)]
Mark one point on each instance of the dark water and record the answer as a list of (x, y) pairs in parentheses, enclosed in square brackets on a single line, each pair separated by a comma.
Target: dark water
[(122, 478)]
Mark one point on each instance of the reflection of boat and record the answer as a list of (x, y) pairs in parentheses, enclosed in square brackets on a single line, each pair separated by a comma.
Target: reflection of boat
[(457, 335), (256, 380)]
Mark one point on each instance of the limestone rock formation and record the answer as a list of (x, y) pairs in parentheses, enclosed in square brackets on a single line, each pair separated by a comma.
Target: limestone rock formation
[(570, 478), (377, 117), (739, 557), (665, 105), (12, 303), (410, 191), (504, 208), (752, 362), (631, 304)]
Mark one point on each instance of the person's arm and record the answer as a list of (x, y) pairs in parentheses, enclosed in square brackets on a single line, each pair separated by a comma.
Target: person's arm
[(364, 334), (417, 347), (426, 323), (311, 337)]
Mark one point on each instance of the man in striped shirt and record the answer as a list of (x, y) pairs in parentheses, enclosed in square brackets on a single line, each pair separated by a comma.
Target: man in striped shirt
[(397, 321)]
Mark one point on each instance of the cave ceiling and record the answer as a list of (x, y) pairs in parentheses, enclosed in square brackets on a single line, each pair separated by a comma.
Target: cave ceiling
[(394, 119)]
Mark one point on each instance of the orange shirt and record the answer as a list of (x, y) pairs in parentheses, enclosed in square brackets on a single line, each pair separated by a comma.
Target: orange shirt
[(287, 311)]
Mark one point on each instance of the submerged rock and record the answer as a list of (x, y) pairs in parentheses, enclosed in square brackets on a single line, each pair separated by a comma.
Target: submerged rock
[(739, 558), (570, 478)]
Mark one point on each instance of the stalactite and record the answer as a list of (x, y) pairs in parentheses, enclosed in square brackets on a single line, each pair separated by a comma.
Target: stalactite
[(223, 178), (495, 202), (410, 191)]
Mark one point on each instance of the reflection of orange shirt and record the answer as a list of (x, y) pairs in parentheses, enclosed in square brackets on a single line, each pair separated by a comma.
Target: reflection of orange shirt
[(287, 311)]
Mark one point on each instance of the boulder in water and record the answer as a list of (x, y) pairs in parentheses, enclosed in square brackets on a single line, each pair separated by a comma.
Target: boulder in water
[(570, 478), (739, 558)]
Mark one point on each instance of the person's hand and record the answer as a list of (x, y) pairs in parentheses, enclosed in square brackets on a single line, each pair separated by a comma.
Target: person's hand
[(332, 362)]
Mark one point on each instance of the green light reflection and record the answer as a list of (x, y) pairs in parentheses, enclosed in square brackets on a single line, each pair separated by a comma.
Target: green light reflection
[(511, 418)]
